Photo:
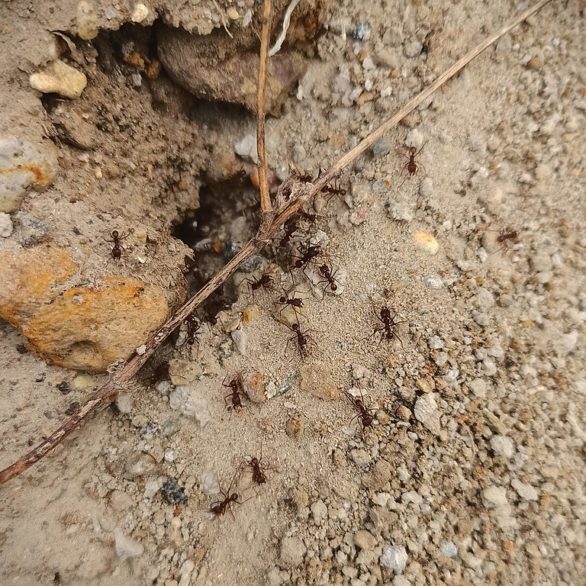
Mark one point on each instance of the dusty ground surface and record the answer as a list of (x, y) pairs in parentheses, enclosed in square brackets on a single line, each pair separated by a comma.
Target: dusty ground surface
[(472, 472)]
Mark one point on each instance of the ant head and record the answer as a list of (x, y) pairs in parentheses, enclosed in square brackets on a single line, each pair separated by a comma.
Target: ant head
[(295, 327), (233, 497), (333, 287), (254, 461), (282, 299), (412, 150), (115, 233), (385, 311)]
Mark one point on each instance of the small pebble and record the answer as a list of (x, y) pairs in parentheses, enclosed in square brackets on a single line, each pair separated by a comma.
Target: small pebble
[(208, 483), (495, 496), (433, 281), (524, 490), (124, 402), (190, 403), (449, 549), (426, 241), (414, 138), (395, 558), (172, 492), (139, 465), (59, 78), (240, 338), (125, 546), (398, 212), (83, 382), (139, 12), (292, 552), (319, 512), (5, 225), (364, 539), (294, 426), (246, 148), (425, 412), (412, 48), (502, 446)]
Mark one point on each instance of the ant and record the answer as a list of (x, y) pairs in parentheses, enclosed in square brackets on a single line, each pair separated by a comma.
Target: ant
[(387, 330), (312, 251), (364, 414), (303, 340), (235, 395), (333, 190), (329, 277), (117, 241), (411, 165), (265, 281), (290, 228), (294, 302), (193, 325), (507, 236), (220, 507)]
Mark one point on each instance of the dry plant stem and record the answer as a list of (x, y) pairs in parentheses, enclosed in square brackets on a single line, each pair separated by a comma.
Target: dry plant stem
[(106, 394), (266, 205)]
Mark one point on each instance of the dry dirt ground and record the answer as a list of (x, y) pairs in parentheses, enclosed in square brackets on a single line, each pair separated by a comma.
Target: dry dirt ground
[(473, 469)]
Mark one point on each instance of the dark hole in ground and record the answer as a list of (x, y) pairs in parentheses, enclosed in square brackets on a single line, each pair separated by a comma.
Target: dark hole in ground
[(226, 219)]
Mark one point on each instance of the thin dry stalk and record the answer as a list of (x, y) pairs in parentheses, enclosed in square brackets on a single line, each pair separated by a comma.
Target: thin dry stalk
[(300, 193), (266, 206)]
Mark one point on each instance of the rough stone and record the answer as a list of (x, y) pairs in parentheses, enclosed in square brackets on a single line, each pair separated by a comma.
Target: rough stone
[(495, 496), (319, 512), (292, 552), (395, 558), (524, 490), (23, 166), (190, 403), (502, 446), (59, 78), (426, 412), (364, 539)]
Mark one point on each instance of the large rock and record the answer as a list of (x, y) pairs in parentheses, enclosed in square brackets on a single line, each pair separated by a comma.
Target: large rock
[(220, 68), (85, 327)]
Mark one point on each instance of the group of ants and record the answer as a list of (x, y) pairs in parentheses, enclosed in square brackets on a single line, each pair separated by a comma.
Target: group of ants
[(307, 257)]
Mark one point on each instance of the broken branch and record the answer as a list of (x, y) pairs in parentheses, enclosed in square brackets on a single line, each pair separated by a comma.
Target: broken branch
[(300, 193), (266, 205)]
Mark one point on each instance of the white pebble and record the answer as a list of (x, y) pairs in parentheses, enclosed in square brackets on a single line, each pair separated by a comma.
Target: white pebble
[(208, 482), (395, 558), (425, 412), (433, 281), (414, 138), (190, 403), (240, 339), (495, 496), (502, 446), (449, 549), (524, 490), (139, 13), (246, 148)]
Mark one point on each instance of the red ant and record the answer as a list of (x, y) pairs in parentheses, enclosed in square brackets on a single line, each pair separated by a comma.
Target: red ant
[(312, 251), (294, 302), (220, 507), (387, 330), (235, 395), (411, 165), (303, 340), (507, 236), (193, 325), (333, 190), (290, 228), (117, 241), (265, 281), (364, 414), (329, 277)]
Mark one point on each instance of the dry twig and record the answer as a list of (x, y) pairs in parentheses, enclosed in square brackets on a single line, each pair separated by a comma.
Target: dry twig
[(271, 222)]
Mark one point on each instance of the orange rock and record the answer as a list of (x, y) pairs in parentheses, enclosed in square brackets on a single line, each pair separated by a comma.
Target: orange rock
[(82, 327), (90, 327), (31, 278)]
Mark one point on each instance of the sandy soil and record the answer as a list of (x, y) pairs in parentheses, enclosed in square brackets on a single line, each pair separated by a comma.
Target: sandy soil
[(472, 472)]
